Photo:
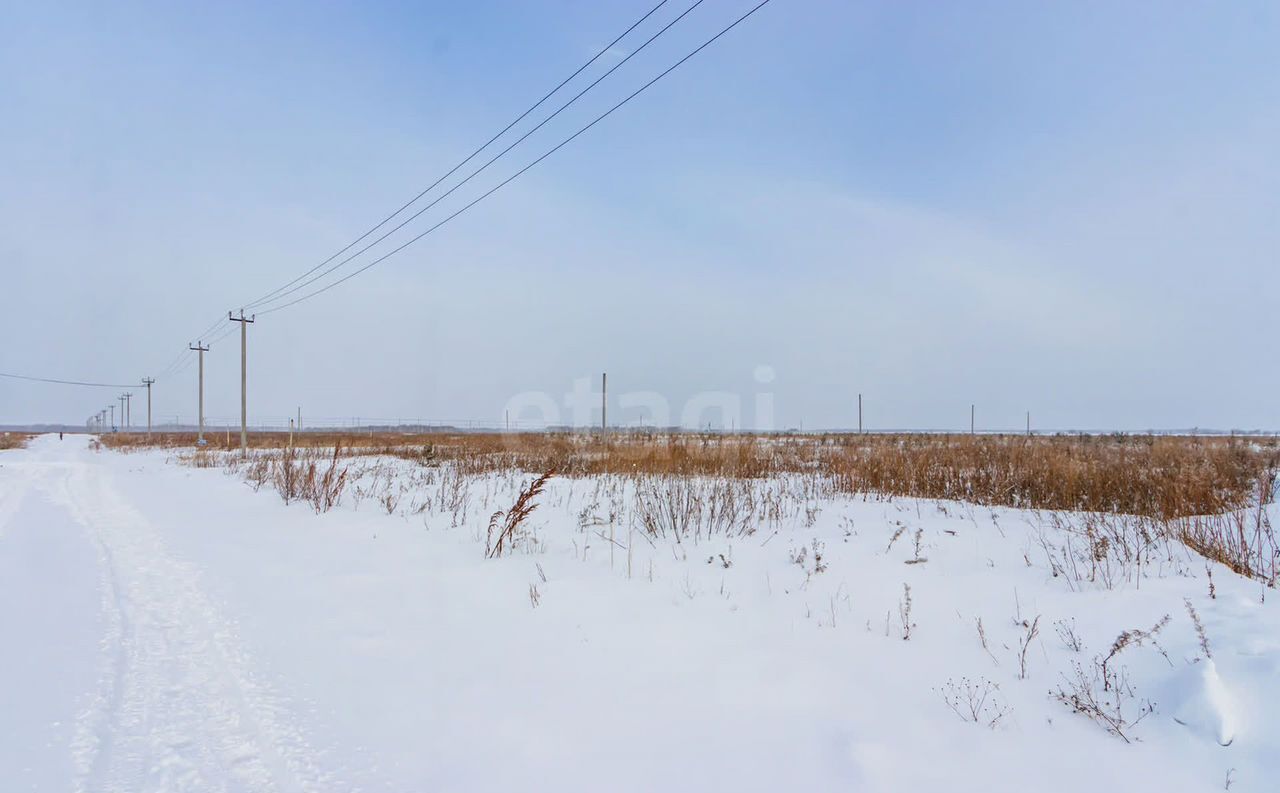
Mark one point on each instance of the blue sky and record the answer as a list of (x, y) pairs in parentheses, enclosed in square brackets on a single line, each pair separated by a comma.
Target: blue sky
[(1071, 208)]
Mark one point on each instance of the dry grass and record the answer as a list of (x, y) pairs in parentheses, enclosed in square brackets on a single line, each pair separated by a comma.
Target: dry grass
[(1243, 539), (1102, 692), (507, 525), (13, 440), (1159, 477), (312, 475), (1114, 506), (1162, 477)]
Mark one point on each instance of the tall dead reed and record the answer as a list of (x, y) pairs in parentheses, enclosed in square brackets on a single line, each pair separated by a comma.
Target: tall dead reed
[(503, 527)]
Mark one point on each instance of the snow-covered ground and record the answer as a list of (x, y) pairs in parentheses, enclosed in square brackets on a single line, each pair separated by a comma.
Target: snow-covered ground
[(167, 628)]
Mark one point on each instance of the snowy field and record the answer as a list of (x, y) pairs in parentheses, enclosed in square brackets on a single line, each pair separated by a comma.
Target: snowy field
[(170, 628)]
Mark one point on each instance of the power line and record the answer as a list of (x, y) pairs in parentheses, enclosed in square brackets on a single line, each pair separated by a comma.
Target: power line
[(177, 364), (482, 168), (275, 292), (181, 363), (66, 382), (184, 358), (471, 156), (222, 334), (217, 324), (517, 174), (184, 366), (164, 370)]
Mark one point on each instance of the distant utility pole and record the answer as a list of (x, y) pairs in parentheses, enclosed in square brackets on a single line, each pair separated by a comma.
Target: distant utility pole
[(112, 406), (972, 413), (121, 399), (299, 418), (147, 381), (1028, 422), (604, 406), (859, 414), (201, 349), (244, 372), (128, 411)]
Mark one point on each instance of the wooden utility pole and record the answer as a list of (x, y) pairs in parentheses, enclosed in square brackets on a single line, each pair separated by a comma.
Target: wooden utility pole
[(121, 400), (128, 411), (147, 381), (112, 407), (244, 369), (972, 413), (201, 349)]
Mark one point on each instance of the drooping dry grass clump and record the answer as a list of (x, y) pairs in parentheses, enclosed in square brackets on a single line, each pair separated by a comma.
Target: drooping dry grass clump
[(1243, 539)]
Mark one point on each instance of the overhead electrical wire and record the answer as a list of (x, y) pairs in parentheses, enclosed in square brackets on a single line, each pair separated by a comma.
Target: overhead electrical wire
[(602, 51), (173, 364), (216, 324), (183, 359), (517, 174), (183, 367), (66, 382), (469, 157), (301, 282), (177, 363), (220, 335), (482, 168)]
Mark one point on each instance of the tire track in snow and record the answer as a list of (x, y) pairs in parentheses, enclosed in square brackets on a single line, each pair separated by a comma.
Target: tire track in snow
[(177, 708), (15, 481)]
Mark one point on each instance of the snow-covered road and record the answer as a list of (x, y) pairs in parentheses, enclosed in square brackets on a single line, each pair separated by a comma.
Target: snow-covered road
[(100, 605), (166, 628)]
